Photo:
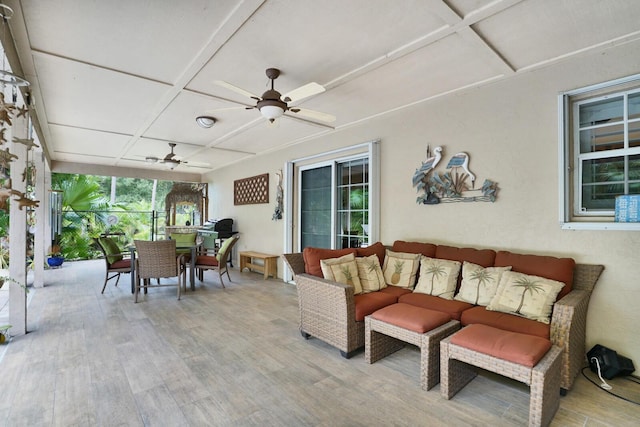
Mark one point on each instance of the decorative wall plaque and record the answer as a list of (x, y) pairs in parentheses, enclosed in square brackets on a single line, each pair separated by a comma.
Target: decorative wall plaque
[(250, 191)]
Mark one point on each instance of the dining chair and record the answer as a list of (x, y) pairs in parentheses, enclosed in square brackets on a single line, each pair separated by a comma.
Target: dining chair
[(184, 239), (208, 261), (155, 260), (117, 261)]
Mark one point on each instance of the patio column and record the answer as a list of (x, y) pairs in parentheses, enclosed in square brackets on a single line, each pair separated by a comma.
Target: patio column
[(18, 230), (42, 231)]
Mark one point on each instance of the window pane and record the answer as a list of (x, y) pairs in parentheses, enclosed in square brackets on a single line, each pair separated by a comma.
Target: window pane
[(602, 138), (634, 106), (602, 181), (602, 111), (357, 173), (634, 134)]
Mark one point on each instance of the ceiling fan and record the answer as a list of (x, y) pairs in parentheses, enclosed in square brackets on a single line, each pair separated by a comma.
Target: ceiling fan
[(169, 160), (273, 105)]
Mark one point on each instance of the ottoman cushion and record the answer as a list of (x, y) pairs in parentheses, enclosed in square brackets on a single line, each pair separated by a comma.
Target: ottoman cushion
[(410, 317), (518, 348)]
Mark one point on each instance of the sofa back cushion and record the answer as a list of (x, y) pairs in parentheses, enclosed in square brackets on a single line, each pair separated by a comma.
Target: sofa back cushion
[(481, 257), (426, 249), (560, 269), (376, 249), (312, 257)]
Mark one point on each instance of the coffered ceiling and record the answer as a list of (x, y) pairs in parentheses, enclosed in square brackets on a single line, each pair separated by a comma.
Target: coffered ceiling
[(114, 82)]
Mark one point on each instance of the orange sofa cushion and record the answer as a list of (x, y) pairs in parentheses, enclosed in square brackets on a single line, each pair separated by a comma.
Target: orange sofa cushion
[(410, 317), (518, 348), (368, 303), (452, 308), (508, 322), (482, 257), (376, 249), (396, 291), (560, 269), (312, 257), (426, 249)]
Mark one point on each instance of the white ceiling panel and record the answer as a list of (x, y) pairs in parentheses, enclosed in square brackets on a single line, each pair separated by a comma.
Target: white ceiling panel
[(532, 32), (77, 94), (70, 141), (154, 39)]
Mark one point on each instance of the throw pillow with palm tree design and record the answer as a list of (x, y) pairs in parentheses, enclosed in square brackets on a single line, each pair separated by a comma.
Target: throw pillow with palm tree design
[(370, 273), (527, 296), (479, 284), (342, 270), (438, 277)]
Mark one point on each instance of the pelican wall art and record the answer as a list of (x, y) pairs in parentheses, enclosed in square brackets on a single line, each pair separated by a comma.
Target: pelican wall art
[(457, 184)]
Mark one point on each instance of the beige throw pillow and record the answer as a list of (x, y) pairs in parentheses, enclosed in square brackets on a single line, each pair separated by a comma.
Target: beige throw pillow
[(528, 296), (479, 284), (370, 273), (342, 270), (438, 277), (400, 269)]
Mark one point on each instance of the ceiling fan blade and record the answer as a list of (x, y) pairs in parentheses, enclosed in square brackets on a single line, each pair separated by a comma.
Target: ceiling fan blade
[(314, 115), (302, 92), (236, 89), (217, 110)]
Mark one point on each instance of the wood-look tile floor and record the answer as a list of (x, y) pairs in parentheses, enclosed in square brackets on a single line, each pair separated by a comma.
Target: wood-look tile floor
[(232, 357)]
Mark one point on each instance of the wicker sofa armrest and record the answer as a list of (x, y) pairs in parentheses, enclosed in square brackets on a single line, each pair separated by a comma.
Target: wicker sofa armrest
[(569, 321), (295, 262), (327, 312)]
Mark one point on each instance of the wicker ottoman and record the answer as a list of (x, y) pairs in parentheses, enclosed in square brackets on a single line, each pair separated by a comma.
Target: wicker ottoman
[(532, 362), (388, 330)]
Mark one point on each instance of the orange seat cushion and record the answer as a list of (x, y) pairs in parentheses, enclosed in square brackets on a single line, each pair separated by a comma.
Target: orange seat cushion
[(452, 308), (312, 257), (123, 263), (410, 317), (560, 269), (207, 260), (396, 291), (368, 303), (508, 322), (518, 348)]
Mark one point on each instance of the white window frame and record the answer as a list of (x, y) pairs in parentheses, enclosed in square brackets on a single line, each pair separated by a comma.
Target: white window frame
[(570, 159)]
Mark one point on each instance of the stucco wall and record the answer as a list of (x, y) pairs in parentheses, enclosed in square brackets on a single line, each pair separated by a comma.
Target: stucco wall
[(510, 130)]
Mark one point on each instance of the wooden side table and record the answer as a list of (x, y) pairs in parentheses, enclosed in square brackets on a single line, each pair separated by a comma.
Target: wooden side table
[(269, 266)]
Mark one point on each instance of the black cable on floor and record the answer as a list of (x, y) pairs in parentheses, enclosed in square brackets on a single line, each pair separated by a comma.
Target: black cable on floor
[(607, 391)]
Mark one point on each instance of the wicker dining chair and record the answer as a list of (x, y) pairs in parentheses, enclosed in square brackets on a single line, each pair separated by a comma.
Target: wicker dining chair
[(117, 261), (155, 260), (208, 261)]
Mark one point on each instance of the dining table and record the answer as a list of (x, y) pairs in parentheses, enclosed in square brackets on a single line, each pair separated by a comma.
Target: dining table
[(192, 263)]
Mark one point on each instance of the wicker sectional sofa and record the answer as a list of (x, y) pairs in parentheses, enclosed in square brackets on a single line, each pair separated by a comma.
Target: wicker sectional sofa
[(331, 312)]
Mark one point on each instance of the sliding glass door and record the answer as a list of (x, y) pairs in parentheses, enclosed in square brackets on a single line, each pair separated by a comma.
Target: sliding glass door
[(334, 204), (316, 206)]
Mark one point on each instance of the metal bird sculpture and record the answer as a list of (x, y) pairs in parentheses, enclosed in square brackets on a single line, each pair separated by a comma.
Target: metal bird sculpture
[(427, 166), (461, 160)]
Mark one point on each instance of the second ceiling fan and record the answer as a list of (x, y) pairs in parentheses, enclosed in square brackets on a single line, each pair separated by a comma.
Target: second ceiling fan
[(273, 105)]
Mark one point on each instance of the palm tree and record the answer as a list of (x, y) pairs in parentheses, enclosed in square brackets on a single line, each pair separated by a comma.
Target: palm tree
[(483, 277), (436, 270), (530, 286)]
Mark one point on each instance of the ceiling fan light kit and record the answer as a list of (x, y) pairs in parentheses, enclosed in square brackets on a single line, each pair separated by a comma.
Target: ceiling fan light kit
[(205, 121), (171, 163)]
